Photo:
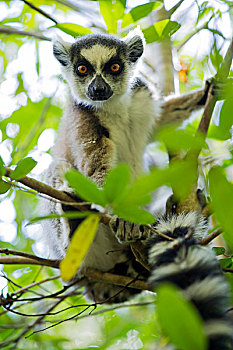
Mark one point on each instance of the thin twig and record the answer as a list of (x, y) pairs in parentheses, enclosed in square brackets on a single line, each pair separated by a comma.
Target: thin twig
[(52, 295), (34, 284), (138, 249), (174, 8), (160, 233), (29, 327), (204, 26), (211, 236), (56, 324), (129, 284), (116, 307), (37, 9)]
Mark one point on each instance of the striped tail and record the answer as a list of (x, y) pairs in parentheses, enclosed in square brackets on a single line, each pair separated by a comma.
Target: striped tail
[(195, 269)]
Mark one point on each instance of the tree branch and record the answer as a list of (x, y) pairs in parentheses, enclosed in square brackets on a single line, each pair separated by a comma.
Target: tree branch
[(211, 236), (211, 100), (92, 274), (47, 190), (8, 260), (117, 280), (191, 202), (225, 269), (10, 30)]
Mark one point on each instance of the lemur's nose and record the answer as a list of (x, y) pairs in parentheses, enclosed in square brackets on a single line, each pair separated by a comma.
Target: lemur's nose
[(99, 85), (99, 90)]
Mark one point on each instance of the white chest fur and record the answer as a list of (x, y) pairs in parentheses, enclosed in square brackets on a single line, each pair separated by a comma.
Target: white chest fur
[(130, 122)]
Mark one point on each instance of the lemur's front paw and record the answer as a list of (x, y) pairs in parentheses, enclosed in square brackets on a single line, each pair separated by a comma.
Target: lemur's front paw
[(220, 87), (126, 231)]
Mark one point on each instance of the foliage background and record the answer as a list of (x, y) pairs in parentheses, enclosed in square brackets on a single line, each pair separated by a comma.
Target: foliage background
[(181, 54)]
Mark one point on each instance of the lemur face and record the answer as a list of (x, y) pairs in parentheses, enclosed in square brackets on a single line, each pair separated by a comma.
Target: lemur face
[(98, 67)]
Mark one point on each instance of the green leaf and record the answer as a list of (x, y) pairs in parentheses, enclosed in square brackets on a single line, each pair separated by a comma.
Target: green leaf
[(24, 166), (139, 12), (107, 11), (217, 132), (134, 214), (2, 167), (37, 58), (226, 263), (185, 170), (4, 187), (224, 130), (204, 10), (32, 120), (221, 192), (72, 29), (119, 9), (219, 250), (85, 188), (79, 246), (180, 320), (215, 56), (69, 215), (177, 140), (116, 181), (139, 193), (160, 30)]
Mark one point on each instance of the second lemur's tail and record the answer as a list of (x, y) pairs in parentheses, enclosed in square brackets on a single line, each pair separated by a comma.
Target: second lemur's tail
[(195, 269)]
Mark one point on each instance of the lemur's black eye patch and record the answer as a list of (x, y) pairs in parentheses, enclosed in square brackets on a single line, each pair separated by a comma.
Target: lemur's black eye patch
[(114, 66), (83, 67)]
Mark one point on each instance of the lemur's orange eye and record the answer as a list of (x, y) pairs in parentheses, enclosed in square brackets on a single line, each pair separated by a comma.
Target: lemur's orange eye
[(82, 69), (115, 67)]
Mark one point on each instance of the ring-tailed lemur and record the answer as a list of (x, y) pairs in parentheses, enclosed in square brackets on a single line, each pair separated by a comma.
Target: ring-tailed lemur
[(108, 119)]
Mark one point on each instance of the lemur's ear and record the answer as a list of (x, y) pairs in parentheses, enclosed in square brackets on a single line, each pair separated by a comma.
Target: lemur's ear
[(61, 50), (135, 42)]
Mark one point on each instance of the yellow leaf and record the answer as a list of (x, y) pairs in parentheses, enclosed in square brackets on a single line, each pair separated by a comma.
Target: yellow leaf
[(79, 245)]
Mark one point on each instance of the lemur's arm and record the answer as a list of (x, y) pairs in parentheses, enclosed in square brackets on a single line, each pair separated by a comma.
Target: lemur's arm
[(177, 109)]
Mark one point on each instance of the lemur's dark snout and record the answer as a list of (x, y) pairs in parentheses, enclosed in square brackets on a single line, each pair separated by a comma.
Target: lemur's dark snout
[(99, 90)]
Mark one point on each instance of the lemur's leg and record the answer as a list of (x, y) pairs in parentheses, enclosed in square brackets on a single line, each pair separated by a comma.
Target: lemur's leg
[(126, 231)]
